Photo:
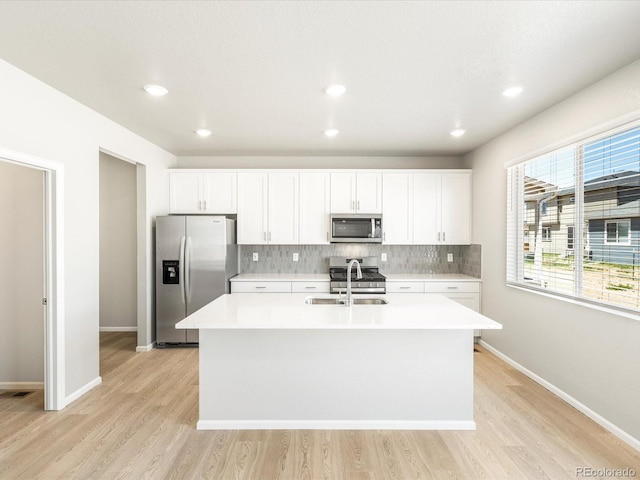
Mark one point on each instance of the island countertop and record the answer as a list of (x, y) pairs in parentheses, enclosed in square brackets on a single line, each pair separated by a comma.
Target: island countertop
[(240, 311)]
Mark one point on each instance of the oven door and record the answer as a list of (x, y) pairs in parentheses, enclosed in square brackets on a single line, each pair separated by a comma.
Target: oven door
[(356, 228)]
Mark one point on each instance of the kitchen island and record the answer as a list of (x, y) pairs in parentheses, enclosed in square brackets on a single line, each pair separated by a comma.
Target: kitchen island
[(273, 361)]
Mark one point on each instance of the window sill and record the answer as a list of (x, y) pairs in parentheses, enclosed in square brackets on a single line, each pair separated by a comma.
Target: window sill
[(583, 303)]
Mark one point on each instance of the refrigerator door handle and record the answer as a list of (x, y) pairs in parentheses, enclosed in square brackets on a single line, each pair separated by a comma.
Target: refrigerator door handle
[(181, 269), (187, 268)]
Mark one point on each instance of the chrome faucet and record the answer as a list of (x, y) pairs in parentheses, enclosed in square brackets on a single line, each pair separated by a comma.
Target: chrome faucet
[(358, 277)]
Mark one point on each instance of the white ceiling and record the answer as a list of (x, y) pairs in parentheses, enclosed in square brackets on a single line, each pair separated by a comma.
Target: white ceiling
[(253, 72)]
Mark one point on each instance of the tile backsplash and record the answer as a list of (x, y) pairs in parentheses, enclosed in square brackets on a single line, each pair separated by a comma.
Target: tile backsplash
[(467, 259)]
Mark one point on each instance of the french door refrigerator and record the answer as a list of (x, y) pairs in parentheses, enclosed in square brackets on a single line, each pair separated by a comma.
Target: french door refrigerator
[(195, 258)]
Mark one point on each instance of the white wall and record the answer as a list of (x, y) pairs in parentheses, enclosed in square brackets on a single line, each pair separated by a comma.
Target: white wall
[(21, 274), (37, 120), (319, 162), (591, 355), (118, 237)]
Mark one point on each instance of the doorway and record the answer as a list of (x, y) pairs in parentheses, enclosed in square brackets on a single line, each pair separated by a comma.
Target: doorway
[(32, 276), (118, 245), (22, 280)]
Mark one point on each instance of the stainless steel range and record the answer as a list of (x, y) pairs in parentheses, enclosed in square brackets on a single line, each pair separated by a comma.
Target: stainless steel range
[(372, 280)]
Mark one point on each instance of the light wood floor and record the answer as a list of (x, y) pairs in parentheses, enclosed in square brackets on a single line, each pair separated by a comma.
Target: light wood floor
[(140, 424)]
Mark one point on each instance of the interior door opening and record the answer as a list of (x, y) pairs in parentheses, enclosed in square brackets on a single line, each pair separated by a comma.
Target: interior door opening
[(23, 286)]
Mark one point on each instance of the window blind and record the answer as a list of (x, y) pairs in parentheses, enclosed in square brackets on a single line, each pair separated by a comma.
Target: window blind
[(573, 220)]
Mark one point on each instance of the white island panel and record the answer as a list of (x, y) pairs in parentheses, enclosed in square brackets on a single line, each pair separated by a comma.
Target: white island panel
[(336, 379)]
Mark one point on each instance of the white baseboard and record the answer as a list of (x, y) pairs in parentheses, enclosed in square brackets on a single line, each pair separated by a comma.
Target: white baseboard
[(334, 425), (21, 385), (603, 422), (144, 348), (118, 329), (82, 390)]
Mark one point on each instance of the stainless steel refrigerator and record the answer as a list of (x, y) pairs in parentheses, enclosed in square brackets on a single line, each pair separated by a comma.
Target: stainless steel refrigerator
[(195, 258)]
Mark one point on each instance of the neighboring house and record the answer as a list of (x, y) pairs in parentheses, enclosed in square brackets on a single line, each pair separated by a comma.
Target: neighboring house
[(611, 216)]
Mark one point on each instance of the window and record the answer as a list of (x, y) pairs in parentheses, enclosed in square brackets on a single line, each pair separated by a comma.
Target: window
[(569, 238), (617, 232), (589, 193)]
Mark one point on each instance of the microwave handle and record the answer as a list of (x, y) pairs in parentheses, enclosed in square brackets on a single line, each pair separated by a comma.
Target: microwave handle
[(373, 228)]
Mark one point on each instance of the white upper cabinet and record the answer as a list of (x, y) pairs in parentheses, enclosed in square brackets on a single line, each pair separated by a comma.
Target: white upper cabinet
[(252, 224), (221, 192), (185, 192), (268, 208), (397, 208), (284, 213), (202, 192), (456, 208), (315, 208), (442, 208), (353, 192), (426, 208)]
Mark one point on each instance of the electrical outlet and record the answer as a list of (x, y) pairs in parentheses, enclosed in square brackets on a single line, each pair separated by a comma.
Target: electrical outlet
[(449, 257), (255, 256), (296, 256), (383, 257)]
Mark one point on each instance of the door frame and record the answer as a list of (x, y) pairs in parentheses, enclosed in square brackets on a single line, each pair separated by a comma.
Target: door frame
[(54, 339)]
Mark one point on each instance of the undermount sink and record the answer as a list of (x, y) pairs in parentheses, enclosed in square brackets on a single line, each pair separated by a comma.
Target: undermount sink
[(369, 301), (342, 301)]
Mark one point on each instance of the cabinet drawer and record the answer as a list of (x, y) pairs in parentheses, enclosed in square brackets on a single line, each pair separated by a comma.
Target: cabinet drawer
[(470, 300), (405, 287), (306, 287), (451, 287), (260, 287)]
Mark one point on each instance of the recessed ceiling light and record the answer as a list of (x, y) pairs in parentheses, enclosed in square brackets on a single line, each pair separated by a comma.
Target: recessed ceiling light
[(512, 92), (335, 90), (331, 132), (155, 90), (203, 132), (458, 132)]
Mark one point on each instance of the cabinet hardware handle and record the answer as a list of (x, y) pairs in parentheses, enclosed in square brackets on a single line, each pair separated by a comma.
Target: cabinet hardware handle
[(205, 205), (443, 238), (269, 236), (404, 288), (260, 287), (311, 288), (452, 288), (358, 205), (438, 236)]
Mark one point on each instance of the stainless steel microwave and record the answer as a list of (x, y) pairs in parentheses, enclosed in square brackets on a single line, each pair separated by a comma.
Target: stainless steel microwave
[(356, 228)]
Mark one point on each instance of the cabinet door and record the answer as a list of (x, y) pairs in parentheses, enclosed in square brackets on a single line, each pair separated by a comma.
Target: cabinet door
[(426, 208), (456, 208), (284, 210), (315, 204), (220, 192), (369, 193), (185, 192), (252, 208), (397, 208), (343, 193)]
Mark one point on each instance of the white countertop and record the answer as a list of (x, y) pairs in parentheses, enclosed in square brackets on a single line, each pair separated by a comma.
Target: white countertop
[(281, 277), (324, 277), (289, 311), (429, 277)]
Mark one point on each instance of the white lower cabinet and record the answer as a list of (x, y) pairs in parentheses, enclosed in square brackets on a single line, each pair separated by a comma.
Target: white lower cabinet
[(280, 287), (260, 287), (309, 287), (464, 293)]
